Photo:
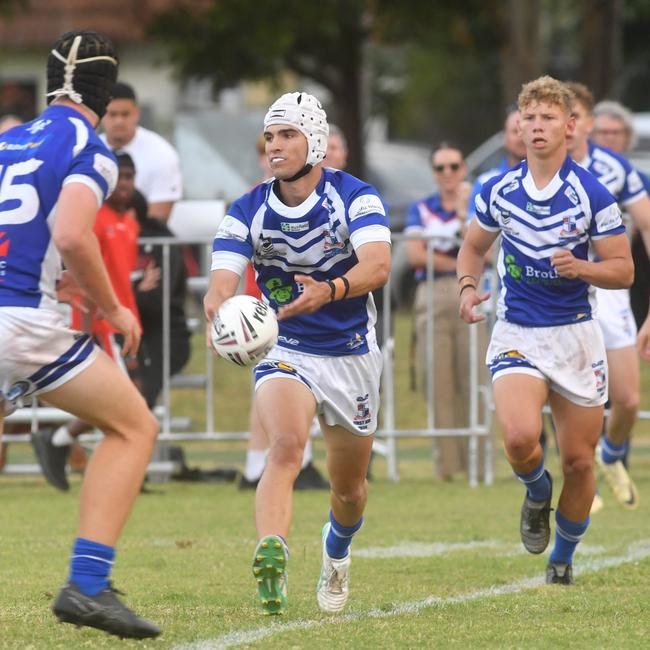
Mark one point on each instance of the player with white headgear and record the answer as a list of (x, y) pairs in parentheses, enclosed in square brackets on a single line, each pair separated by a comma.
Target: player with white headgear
[(56, 174), (320, 243)]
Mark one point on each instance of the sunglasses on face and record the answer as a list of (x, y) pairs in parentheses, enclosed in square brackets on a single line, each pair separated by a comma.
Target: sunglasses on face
[(454, 167)]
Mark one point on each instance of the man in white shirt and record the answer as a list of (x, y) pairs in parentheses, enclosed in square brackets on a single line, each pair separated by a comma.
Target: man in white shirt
[(158, 174)]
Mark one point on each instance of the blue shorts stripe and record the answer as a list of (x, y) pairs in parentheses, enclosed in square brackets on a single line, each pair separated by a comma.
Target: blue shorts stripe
[(503, 362), (64, 358), (69, 362)]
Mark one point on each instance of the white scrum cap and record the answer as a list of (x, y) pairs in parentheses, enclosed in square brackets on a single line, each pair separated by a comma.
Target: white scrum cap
[(303, 111)]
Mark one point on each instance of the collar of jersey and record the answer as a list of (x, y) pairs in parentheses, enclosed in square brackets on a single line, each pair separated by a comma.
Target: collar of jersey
[(66, 110), (551, 188), (297, 211)]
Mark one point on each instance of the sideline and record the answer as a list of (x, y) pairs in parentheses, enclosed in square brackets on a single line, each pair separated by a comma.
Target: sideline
[(637, 551)]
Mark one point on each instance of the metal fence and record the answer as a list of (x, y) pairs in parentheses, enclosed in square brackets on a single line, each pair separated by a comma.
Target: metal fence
[(388, 435)]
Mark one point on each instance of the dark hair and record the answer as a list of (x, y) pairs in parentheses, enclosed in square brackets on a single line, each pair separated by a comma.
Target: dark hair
[(75, 77), (124, 160), (445, 144), (123, 90)]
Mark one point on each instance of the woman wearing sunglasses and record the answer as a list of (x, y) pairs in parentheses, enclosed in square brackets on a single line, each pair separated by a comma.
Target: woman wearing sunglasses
[(440, 218)]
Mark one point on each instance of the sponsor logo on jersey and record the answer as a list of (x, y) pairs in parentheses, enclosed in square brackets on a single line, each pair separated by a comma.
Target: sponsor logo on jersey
[(511, 187), (265, 248), (107, 169), (364, 205), (362, 417), (531, 275), (608, 218), (287, 340), (4, 252), (278, 291), (356, 342), (19, 146), (513, 269), (231, 228), (287, 226), (544, 210)]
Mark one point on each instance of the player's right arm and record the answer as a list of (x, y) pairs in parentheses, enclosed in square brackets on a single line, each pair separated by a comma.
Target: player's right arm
[(469, 268), (77, 244)]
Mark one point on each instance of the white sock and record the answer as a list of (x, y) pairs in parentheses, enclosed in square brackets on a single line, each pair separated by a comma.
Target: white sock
[(307, 454), (62, 437), (255, 463)]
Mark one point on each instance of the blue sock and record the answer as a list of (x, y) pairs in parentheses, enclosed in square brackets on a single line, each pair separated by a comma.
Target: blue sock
[(567, 535), (537, 483), (90, 565), (611, 452), (339, 538)]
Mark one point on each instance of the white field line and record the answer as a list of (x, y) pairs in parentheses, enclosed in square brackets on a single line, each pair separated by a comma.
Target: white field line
[(636, 552)]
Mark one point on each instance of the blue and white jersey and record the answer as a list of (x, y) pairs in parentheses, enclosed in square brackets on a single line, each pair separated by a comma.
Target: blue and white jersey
[(570, 212), (615, 173), (36, 160), (317, 238)]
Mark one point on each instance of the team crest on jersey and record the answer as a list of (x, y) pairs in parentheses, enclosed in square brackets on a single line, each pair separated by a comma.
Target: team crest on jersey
[(362, 417), (569, 228), (570, 193), (331, 244)]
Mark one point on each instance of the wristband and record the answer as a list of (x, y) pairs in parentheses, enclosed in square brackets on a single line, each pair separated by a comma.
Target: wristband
[(467, 275), (346, 282), (332, 287), (465, 287)]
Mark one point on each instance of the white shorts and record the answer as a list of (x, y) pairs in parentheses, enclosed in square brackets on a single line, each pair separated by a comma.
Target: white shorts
[(571, 358), (616, 318), (38, 353), (346, 388)]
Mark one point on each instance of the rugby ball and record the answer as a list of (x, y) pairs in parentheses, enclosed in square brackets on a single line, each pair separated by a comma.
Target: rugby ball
[(244, 330)]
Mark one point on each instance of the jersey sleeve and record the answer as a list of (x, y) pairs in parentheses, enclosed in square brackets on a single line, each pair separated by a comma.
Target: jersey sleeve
[(91, 164), (232, 248), (413, 219), (633, 188), (482, 208), (606, 217), (471, 205), (367, 217)]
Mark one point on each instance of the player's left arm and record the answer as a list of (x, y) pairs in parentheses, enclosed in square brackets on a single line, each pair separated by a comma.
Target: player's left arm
[(614, 270), (639, 210), (370, 273)]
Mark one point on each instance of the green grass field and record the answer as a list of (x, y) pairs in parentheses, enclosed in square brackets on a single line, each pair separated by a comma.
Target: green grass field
[(436, 565)]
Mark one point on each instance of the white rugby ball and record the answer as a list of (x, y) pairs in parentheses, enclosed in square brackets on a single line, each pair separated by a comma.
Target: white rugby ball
[(244, 330)]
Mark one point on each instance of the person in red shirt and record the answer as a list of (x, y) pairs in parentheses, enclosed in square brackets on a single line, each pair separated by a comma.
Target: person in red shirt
[(117, 232)]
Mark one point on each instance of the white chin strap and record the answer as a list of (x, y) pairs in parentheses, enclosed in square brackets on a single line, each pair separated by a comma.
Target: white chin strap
[(67, 90)]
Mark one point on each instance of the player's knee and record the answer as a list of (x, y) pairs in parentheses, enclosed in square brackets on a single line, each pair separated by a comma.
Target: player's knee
[(287, 450), (579, 465), (519, 441), (629, 402), (352, 495)]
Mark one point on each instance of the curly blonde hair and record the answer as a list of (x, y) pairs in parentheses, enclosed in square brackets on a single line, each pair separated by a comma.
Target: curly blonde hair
[(548, 90)]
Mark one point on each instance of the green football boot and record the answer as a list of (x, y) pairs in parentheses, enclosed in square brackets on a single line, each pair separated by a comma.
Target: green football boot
[(270, 572)]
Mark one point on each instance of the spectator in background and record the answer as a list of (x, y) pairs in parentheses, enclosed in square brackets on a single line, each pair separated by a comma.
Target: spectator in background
[(150, 307), (8, 122), (614, 312), (337, 149), (117, 232), (614, 128), (443, 215), (158, 174), (515, 153)]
